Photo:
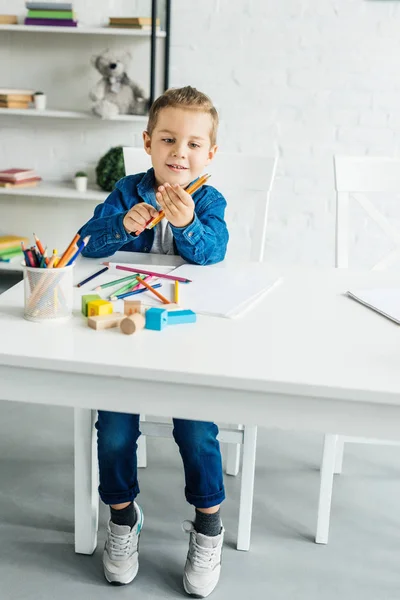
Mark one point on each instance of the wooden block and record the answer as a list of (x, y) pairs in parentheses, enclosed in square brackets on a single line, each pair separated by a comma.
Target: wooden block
[(132, 323), (86, 299), (156, 319), (99, 307), (105, 321), (178, 317), (132, 307)]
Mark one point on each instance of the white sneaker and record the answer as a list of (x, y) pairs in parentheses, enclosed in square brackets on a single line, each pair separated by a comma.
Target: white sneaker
[(121, 550), (203, 563)]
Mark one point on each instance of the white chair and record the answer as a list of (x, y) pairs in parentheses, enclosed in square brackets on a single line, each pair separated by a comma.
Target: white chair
[(246, 182), (355, 177)]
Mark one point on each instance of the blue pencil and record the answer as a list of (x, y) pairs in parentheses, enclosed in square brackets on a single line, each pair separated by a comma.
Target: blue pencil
[(157, 285)]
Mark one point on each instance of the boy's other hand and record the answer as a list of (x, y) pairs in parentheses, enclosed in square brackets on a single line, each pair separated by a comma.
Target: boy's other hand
[(136, 219), (177, 204)]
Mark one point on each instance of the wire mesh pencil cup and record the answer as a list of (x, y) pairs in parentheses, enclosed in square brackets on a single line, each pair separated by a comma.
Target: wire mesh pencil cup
[(48, 294)]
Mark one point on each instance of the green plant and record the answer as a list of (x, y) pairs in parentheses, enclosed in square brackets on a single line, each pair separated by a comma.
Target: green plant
[(81, 174), (38, 94), (110, 169)]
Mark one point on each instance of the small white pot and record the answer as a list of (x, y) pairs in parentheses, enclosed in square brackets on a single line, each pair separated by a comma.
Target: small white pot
[(40, 101), (81, 184)]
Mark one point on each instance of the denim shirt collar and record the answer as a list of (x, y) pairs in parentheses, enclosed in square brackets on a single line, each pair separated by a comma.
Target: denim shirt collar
[(146, 188)]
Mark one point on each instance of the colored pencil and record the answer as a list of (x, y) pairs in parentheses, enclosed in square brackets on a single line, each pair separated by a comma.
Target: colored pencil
[(176, 294), (115, 282), (92, 277), (81, 246), (68, 252), (152, 273), (190, 190), (125, 288), (151, 289), (157, 285), (40, 248)]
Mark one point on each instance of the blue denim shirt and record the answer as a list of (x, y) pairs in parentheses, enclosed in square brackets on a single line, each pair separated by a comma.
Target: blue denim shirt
[(202, 242)]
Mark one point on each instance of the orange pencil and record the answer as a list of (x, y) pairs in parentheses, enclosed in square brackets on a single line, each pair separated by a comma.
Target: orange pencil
[(159, 296), (40, 248), (190, 190), (68, 252)]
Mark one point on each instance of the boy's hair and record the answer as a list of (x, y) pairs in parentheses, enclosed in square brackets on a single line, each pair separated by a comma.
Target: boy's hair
[(185, 97)]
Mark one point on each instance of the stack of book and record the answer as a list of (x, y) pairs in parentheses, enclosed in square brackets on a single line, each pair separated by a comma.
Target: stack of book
[(142, 23), (8, 20), (11, 98), (18, 178), (54, 14), (10, 246)]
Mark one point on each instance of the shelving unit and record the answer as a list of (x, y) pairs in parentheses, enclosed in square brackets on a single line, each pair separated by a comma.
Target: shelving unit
[(68, 114), (56, 189), (80, 30), (60, 190)]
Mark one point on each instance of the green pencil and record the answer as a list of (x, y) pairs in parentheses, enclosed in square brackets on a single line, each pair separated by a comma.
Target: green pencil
[(124, 288), (115, 282)]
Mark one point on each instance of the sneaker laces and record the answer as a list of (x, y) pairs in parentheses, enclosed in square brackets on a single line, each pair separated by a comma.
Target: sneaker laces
[(202, 558), (120, 546)]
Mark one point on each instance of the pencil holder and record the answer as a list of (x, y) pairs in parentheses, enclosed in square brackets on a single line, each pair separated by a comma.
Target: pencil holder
[(48, 294)]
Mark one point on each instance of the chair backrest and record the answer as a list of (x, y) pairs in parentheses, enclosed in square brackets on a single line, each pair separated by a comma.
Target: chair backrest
[(355, 177), (245, 182)]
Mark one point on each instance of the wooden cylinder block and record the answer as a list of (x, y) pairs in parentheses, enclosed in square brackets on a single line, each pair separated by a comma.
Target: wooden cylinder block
[(132, 323)]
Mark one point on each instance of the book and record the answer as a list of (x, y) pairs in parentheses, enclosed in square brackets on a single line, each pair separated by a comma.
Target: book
[(8, 19), (16, 92), (139, 27), (12, 241), (50, 14), (20, 184), (48, 5), (385, 301), (15, 98), (17, 174), (13, 104), (51, 22), (132, 20), (31, 182)]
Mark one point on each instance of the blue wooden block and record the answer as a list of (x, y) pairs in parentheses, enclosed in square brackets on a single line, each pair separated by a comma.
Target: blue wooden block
[(176, 317), (156, 319)]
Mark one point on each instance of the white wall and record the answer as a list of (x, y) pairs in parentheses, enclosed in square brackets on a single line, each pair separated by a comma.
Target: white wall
[(308, 78)]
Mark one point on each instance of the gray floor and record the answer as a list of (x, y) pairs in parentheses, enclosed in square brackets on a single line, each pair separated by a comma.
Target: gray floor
[(37, 560)]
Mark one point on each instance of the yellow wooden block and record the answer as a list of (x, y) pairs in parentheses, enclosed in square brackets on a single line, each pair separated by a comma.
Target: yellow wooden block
[(99, 307)]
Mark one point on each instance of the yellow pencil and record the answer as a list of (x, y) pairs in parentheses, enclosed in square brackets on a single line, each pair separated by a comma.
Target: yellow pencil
[(176, 295)]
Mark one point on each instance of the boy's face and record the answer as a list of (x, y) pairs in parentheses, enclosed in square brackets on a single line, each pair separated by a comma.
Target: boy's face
[(180, 145)]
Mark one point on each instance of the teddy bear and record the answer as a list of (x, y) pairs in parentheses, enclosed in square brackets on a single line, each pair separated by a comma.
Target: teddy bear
[(115, 93)]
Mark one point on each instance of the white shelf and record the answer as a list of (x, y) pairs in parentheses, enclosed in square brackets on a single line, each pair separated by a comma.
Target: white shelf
[(54, 189), (81, 30), (68, 114)]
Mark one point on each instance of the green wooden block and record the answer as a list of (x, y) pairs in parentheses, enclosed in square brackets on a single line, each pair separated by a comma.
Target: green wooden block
[(85, 301)]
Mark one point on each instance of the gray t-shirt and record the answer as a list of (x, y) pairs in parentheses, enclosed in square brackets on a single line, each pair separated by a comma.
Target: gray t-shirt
[(163, 238)]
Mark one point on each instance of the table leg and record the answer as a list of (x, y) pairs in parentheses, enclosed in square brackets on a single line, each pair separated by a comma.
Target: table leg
[(86, 481)]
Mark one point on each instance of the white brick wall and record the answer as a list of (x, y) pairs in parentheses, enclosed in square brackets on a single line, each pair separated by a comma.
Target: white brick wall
[(307, 78)]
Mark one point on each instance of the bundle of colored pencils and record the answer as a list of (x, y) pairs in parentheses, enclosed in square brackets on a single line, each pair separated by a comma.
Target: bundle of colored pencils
[(197, 184), (36, 256)]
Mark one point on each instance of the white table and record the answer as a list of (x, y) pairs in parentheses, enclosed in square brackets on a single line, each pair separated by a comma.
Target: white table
[(305, 358)]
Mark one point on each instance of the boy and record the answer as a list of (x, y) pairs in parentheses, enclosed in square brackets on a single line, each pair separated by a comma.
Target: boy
[(181, 140)]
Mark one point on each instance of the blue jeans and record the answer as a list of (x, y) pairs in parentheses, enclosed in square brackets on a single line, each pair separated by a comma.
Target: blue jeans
[(117, 435)]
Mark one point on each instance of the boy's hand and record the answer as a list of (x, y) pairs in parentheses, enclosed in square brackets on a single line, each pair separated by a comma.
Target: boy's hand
[(177, 204), (136, 219)]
